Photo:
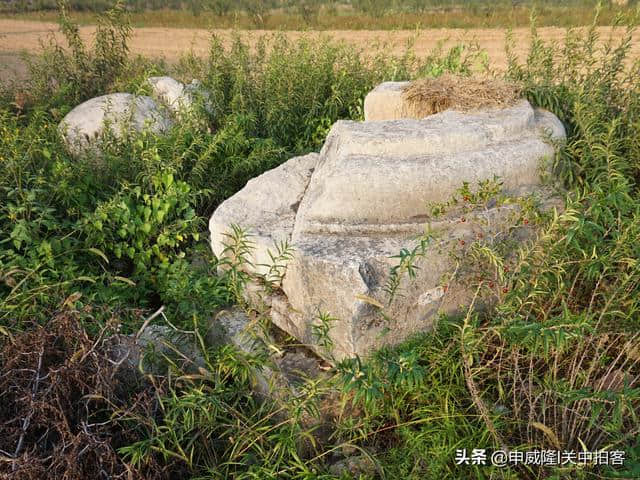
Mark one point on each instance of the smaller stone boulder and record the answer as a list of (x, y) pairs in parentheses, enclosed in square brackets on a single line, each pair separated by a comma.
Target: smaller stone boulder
[(356, 466), (387, 102), (83, 128), (286, 370), (148, 352), (431, 95), (180, 98), (234, 327)]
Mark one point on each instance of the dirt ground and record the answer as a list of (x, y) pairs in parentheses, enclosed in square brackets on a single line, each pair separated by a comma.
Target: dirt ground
[(170, 43)]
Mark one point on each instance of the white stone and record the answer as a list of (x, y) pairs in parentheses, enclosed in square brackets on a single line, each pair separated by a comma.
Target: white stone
[(169, 91), (346, 276), (122, 113), (233, 326), (180, 99), (386, 102), (279, 378), (382, 174)]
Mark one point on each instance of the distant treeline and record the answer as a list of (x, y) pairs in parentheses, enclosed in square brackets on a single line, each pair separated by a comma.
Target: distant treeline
[(303, 7)]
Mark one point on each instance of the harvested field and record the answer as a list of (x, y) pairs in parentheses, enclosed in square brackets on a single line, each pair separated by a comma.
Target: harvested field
[(12, 66), (171, 43)]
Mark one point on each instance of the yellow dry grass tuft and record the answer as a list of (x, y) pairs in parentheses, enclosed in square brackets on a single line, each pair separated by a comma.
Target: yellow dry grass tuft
[(427, 96)]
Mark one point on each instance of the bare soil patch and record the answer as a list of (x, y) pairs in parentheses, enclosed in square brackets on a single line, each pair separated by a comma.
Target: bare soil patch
[(171, 43)]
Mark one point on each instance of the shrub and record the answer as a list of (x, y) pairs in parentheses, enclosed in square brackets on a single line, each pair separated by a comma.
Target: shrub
[(147, 228), (74, 75)]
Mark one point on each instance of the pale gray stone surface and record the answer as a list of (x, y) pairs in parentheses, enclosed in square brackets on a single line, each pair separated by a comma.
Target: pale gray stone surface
[(347, 275), (233, 326), (170, 92), (278, 379), (384, 173), (386, 102), (366, 199), (83, 127), (266, 207), (179, 98), (355, 466), (285, 371)]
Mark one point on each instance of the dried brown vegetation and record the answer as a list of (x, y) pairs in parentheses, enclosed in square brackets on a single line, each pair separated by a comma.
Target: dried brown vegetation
[(570, 397), (63, 406), (432, 95)]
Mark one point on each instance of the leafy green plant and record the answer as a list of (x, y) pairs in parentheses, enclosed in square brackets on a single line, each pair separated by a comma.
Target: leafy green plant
[(147, 228), (321, 330), (277, 266)]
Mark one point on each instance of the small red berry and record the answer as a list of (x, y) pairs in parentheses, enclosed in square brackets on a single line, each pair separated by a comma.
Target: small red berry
[(525, 221), (491, 285), (462, 242), (505, 290)]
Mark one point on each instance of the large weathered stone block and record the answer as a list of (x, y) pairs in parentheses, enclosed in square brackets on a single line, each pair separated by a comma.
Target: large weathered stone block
[(367, 199), (347, 276), (376, 174)]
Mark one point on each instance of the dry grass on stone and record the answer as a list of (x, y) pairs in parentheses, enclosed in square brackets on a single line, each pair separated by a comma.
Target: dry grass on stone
[(432, 95)]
